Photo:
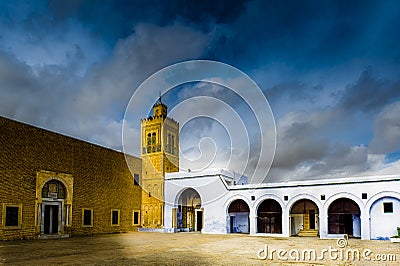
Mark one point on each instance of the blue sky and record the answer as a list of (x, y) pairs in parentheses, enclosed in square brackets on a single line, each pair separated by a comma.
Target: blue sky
[(329, 69)]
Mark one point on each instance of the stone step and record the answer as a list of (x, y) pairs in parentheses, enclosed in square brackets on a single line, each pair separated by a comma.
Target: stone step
[(53, 236), (308, 232)]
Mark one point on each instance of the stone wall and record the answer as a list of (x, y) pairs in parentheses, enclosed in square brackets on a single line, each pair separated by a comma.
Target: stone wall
[(101, 179)]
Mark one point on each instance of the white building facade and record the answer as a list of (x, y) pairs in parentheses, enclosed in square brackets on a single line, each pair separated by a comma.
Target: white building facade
[(221, 202)]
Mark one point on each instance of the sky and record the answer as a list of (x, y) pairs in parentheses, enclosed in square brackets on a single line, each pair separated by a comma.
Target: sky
[(330, 71)]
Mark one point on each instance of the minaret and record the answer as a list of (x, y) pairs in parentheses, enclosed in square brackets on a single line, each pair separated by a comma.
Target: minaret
[(160, 155)]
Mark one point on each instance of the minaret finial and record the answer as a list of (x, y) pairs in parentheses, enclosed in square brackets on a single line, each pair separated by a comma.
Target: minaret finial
[(160, 97)]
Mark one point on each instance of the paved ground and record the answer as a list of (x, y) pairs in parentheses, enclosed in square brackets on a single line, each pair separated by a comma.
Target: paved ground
[(188, 249)]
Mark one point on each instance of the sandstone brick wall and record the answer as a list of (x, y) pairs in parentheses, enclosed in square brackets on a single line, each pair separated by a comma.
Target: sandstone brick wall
[(102, 180)]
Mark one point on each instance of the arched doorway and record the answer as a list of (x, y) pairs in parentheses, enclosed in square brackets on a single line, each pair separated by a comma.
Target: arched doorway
[(269, 217), (304, 218), (52, 208), (189, 213), (239, 216), (344, 217), (384, 211)]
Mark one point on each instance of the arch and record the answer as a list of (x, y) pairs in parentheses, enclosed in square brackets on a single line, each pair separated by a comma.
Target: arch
[(149, 190), (269, 217), (147, 219), (53, 201), (304, 214), (344, 217), (150, 220), (238, 212), (298, 197), (179, 194), (54, 189), (268, 196), (236, 197), (336, 196), (383, 208), (155, 216), (238, 205), (189, 213), (379, 195), (66, 183), (155, 191)]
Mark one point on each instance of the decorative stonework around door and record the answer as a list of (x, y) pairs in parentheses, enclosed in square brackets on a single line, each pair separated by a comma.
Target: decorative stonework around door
[(53, 209)]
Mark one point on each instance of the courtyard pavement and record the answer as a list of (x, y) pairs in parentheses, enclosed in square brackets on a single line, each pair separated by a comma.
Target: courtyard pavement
[(137, 248)]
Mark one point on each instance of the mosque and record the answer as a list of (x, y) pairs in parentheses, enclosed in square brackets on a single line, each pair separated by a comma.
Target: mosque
[(54, 186)]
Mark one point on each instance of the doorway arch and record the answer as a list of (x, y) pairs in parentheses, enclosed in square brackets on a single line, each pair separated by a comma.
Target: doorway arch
[(53, 194), (189, 213), (269, 217), (344, 217), (384, 210), (238, 212), (304, 215)]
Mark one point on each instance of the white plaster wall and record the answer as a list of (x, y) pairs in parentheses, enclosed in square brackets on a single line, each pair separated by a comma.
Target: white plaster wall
[(297, 223), (384, 225), (214, 219), (356, 226), (212, 191), (241, 224), (216, 197)]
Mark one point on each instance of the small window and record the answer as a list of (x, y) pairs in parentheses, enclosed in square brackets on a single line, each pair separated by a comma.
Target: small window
[(12, 215), (322, 197), (136, 179), (115, 217), (87, 217), (364, 195), (253, 197), (136, 217), (388, 207), (285, 198)]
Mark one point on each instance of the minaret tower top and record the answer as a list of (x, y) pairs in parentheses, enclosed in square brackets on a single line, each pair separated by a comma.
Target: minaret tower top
[(160, 109)]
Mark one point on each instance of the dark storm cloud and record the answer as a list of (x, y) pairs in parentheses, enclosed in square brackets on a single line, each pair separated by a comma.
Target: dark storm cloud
[(293, 91), (370, 93), (115, 19), (300, 149), (309, 34), (40, 96), (301, 138), (248, 34)]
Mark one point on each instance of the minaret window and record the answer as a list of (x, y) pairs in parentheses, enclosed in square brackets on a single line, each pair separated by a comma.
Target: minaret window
[(172, 144), (170, 147), (148, 139), (152, 143)]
